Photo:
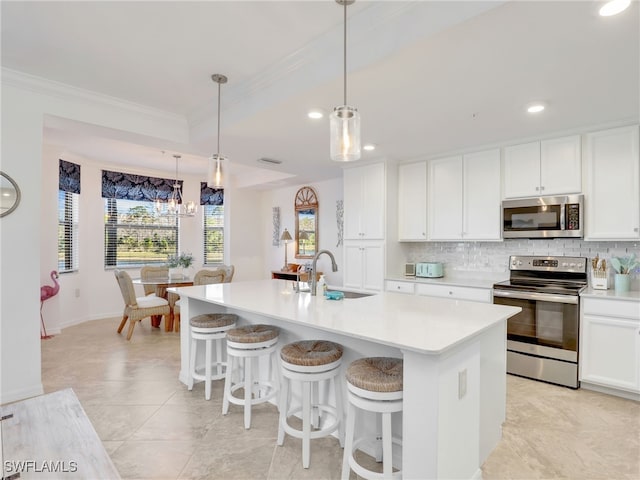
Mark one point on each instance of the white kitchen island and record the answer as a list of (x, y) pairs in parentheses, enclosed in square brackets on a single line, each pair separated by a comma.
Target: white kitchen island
[(454, 360)]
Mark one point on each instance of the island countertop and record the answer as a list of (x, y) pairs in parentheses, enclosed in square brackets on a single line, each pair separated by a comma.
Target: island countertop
[(422, 324)]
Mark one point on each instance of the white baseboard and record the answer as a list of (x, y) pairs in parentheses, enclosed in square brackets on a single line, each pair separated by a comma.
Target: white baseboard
[(610, 391), (15, 395)]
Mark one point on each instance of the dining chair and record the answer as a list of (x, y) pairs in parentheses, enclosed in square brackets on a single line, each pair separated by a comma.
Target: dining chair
[(138, 308), (150, 273), (202, 277), (229, 270)]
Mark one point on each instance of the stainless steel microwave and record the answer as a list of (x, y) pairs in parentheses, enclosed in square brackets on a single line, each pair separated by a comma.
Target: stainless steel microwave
[(543, 217)]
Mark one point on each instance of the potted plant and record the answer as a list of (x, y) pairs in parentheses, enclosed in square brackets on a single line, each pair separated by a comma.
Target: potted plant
[(178, 263), (623, 266)]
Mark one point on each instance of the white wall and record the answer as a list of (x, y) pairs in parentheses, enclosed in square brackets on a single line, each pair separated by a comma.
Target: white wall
[(328, 192), (24, 106)]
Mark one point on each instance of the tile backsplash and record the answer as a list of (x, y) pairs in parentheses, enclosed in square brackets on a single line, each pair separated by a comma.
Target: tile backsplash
[(493, 257)]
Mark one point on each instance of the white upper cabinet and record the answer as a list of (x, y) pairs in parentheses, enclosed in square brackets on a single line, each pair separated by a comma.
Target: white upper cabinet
[(549, 167), (412, 202), (482, 205), (364, 202), (464, 197), (612, 191), (445, 198)]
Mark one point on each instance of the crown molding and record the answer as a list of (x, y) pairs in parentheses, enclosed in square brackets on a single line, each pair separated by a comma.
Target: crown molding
[(67, 92)]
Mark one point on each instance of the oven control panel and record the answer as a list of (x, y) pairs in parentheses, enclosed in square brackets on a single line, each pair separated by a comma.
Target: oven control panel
[(548, 264)]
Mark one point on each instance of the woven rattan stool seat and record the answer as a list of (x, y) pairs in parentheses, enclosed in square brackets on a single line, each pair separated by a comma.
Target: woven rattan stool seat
[(252, 334), (376, 374), (311, 353), (213, 320)]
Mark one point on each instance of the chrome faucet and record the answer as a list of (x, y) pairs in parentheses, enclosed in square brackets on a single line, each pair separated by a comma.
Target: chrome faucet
[(334, 267)]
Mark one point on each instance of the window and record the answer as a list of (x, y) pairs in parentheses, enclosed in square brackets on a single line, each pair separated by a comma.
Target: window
[(213, 234), (134, 236), (67, 231)]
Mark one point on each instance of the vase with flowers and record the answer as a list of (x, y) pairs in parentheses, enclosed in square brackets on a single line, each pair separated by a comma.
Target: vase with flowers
[(179, 264), (623, 266)]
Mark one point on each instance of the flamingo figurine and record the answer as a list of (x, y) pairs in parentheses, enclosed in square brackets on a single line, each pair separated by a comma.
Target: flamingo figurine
[(46, 292)]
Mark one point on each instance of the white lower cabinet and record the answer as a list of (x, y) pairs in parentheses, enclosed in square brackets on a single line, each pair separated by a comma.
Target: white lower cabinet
[(610, 344), (400, 287), (455, 292), (364, 266)]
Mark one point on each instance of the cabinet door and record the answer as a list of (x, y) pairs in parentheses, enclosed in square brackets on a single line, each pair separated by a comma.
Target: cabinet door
[(522, 170), (412, 201), (610, 352), (353, 265), (481, 196), (352, 203), (612, 196), (372, 213), (445, 199), (560, 166), (373, 267)]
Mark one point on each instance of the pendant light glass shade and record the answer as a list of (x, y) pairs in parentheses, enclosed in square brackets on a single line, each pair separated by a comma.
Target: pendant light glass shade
[(216, 176), (344, 126), (344, 122)]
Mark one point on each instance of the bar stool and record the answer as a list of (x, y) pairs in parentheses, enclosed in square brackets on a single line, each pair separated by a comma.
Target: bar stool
[(373, 384), (250, 343), (310, 362), (209, 327)]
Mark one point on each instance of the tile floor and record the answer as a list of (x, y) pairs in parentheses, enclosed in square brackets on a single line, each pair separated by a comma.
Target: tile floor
[(153, 428)]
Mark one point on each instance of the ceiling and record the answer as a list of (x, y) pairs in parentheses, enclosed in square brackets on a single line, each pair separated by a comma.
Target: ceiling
[(428, 78)]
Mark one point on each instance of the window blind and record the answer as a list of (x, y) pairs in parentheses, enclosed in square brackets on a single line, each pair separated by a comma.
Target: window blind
[(213, 234), (67, 231), (135, 236)]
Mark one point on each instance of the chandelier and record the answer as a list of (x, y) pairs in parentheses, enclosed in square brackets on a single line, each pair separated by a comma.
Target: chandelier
[(174, 206)]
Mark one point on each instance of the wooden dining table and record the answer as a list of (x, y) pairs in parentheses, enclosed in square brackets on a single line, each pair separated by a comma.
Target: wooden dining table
[(161, 285)]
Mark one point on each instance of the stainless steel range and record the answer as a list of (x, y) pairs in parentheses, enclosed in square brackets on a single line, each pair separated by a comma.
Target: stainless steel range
[(542, 340)]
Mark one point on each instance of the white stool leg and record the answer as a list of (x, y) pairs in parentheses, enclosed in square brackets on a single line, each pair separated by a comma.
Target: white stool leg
[(348, 441), (306, 423), (227, 384), (192, 363), (207, 369), (284, 402), (378, 445), (387, 452), (219, 356), (275, 373), (248, 388), (337, 388)]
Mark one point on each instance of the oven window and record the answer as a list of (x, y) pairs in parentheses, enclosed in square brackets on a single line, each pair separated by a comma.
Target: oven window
[(543, 217), (548, 324)]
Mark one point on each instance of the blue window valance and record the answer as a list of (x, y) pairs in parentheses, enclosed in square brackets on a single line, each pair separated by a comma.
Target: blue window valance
[(211, 196), (69, 177), (126, 186)]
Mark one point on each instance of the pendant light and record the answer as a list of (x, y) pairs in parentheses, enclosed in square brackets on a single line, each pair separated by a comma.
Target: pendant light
[(175, 206), (215, 177), (344, 122)]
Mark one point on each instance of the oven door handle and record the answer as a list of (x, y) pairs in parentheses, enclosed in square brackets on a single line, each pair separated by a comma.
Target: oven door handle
[(543, 297)]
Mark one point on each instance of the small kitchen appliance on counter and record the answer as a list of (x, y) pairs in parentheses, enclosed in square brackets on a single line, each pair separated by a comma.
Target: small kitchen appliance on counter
[(409, 269), (429, 270)]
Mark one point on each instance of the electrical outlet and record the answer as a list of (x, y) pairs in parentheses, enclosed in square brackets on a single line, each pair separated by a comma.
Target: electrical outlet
[(77, 293), (462, 383)]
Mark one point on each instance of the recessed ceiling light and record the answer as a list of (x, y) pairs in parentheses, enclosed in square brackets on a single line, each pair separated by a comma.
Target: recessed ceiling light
[(315, 113), (369, 147), (535, 108), (614, 7), (269, 161)]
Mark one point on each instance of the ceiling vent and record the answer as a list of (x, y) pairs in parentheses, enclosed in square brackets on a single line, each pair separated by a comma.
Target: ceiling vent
[(269, 161)]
